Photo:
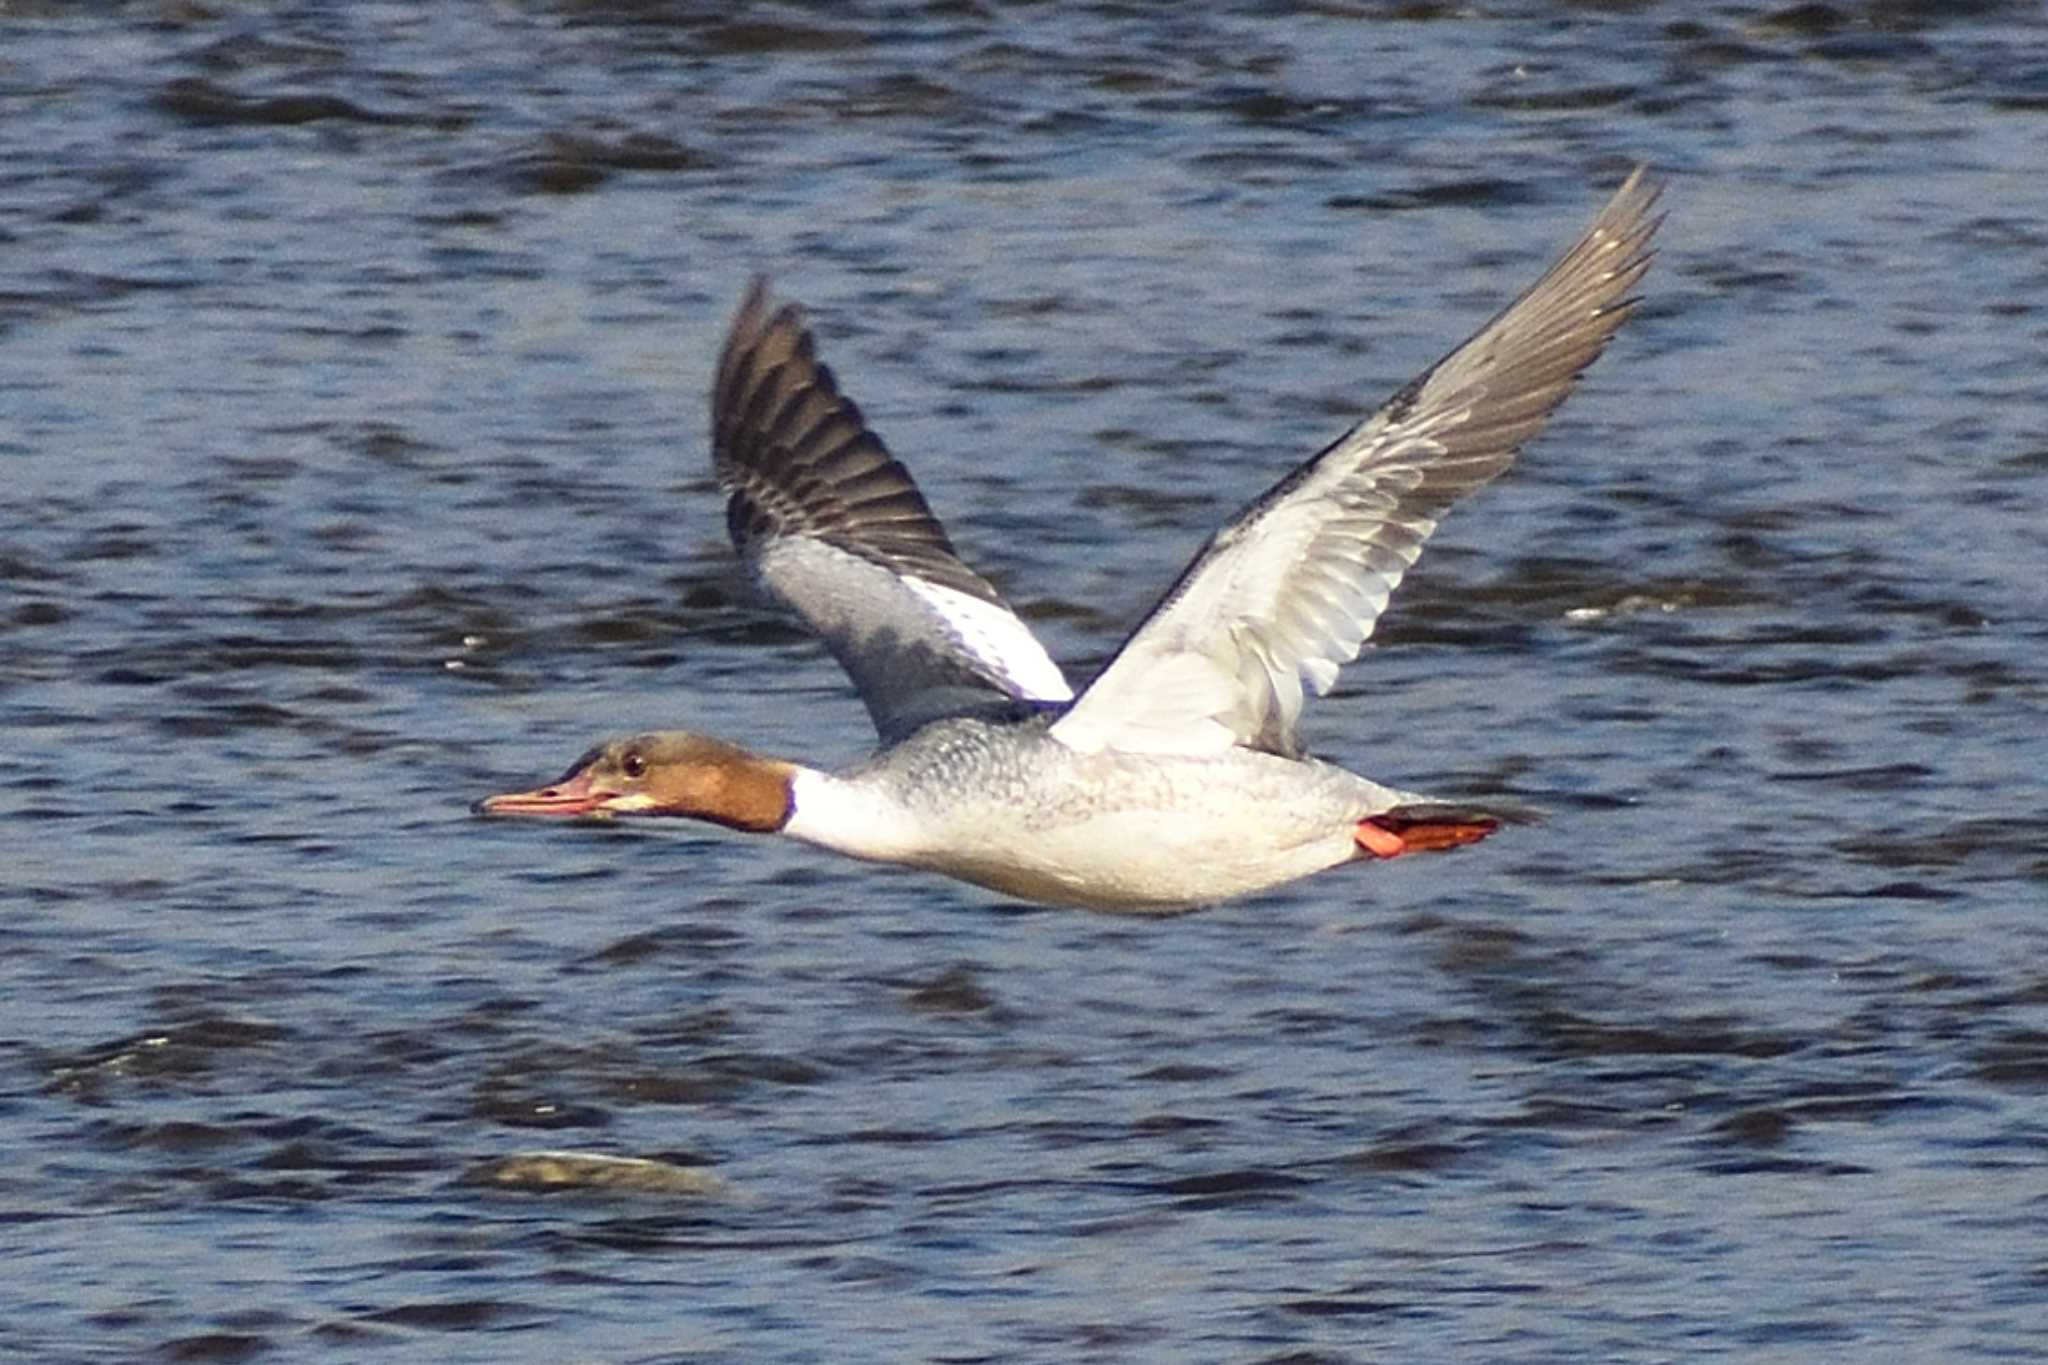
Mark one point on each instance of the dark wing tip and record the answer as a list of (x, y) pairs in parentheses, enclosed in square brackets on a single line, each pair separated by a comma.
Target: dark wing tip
[(1515, 371), (795, 455)]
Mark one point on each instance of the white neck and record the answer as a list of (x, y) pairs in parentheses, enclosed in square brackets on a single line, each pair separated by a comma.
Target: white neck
[(851, 817)]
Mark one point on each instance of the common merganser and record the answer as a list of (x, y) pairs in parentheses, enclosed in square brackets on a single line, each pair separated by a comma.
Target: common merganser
[(1175, 778)]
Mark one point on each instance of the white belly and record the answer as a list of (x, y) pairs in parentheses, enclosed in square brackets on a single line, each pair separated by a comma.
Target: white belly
[(1136, 863)]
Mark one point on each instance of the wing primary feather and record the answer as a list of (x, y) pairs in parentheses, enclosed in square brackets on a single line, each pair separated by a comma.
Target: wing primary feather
[(1254, 604), (835, 528)]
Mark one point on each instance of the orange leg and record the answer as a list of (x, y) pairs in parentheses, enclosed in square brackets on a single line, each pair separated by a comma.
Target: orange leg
[(1389, 836)]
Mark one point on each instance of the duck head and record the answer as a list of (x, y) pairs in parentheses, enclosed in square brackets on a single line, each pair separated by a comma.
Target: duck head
[(668, 772)]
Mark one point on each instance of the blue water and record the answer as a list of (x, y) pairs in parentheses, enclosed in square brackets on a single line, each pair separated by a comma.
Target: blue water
[(352, 376)]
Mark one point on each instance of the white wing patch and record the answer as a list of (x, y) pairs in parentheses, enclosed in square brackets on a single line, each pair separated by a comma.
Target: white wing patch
[(1284, 597), (996, 639)]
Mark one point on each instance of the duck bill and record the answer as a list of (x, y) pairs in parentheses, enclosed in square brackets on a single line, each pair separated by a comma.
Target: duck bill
[(575, 794)]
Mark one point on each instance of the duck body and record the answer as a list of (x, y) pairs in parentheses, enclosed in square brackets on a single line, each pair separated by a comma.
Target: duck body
[(1176, 777), (1004, 805)]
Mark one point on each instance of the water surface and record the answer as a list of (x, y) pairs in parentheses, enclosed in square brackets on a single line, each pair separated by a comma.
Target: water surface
[(352, 375)]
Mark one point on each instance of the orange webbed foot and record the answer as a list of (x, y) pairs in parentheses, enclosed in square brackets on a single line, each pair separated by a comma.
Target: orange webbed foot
[(1392, 834)]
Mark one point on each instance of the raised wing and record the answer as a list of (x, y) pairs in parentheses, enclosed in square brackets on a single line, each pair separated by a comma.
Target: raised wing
[(835, 529), (1289, 591)]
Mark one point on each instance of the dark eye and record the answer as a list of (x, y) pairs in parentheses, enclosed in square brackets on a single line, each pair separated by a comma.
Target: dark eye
[(634, 765)]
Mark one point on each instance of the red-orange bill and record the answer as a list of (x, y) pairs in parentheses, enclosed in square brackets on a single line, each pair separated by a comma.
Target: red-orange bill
[(573, 794)]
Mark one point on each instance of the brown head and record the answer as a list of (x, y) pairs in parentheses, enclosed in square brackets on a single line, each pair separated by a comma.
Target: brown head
[(669, 772)]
